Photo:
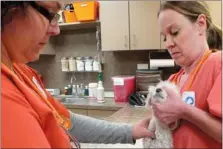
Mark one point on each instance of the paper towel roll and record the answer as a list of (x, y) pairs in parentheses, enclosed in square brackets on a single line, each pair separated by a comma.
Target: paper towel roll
[(156, 63)]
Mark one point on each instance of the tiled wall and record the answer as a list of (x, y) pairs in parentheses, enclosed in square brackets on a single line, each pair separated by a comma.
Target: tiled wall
[(83, 43)]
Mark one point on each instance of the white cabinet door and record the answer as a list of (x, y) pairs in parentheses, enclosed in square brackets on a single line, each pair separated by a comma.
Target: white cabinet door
[(144, 31), (114, 25), (216, 11), (114, 20)]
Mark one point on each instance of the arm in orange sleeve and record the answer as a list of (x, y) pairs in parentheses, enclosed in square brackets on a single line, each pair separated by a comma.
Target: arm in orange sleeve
[(208, 122), (20, 125)]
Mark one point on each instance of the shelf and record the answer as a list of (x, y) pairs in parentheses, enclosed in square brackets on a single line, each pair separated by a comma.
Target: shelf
[(78, 25)]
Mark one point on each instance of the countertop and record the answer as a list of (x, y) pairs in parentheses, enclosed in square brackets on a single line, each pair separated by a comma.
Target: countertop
[(130, 114), (127, 114)]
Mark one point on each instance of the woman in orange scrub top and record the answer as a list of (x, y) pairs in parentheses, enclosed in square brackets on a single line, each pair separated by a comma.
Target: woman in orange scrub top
[(30, 117), (194, 43)]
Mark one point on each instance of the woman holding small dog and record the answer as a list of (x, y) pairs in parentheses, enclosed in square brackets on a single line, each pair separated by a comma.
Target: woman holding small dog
[(194, 43)]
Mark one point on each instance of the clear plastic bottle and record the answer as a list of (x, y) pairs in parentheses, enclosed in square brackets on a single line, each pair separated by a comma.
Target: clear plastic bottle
[(74, 90), (100, 92)]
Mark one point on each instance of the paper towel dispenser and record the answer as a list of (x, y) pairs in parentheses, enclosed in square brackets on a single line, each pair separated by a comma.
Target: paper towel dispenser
[(160, 59)]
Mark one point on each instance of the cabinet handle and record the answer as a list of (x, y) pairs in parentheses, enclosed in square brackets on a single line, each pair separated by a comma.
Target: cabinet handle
[(134, 40), (126, 41)]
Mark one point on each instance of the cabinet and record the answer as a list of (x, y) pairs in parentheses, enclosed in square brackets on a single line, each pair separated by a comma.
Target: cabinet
[(129, 25), (215, 10), (114, 25), (144, 30)]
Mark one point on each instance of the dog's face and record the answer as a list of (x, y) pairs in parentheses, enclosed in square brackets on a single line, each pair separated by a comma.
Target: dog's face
[(157, 94)]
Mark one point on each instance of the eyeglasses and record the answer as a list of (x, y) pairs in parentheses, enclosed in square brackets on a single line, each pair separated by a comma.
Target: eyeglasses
[(52, 17)]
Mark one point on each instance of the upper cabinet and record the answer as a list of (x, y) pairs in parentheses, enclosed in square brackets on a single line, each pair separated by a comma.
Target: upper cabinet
[(215, 9), (144, 31), (114, 18), (129, 25)]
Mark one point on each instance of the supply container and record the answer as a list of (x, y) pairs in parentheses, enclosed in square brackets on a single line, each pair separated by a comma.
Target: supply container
[(64, 64), (96, 64), (88, 63), (72, 64), (92, 88), (123, 86), (87, 10), (80, 63)]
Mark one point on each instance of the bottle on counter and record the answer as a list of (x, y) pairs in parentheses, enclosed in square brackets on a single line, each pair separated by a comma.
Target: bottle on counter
[(65, 90), (74, 90), (100, 92), (81, 89), (86, 91), (78, 90), (92, 90), (69, 89)]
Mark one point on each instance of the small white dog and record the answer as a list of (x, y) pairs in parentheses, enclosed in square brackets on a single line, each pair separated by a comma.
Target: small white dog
[(163, 134)]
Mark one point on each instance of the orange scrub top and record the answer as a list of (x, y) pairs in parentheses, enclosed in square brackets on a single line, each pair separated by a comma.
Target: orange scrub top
[(208, 90), (27, 121)]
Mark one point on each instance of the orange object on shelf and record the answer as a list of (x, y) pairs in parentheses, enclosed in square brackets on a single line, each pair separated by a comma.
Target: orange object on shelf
[(86, 10), (69, 16)]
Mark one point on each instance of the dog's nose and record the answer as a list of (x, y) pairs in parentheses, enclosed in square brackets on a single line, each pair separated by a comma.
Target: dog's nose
[(158, 90)]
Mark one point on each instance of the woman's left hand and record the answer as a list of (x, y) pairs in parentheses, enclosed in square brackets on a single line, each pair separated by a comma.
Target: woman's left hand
[(170, 110)]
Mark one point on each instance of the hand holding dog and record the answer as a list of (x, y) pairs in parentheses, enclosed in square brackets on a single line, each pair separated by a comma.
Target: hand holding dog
[(170, 110), (140, 130)]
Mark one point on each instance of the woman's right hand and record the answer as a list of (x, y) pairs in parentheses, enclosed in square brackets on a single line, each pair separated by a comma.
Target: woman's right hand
[(170, 110)]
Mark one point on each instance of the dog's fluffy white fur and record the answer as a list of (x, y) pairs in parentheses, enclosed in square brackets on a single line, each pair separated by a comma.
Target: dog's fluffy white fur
[(163, 134)]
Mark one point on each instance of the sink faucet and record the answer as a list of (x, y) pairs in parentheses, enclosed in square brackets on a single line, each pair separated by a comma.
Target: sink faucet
[(71, 79)]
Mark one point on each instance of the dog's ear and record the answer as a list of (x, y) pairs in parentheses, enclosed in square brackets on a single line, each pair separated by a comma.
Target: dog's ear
[(149, 96), (148, 101), (151, 89)]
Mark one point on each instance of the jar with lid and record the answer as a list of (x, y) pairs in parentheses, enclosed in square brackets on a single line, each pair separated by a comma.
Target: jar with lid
[(96, 64), (80, 63), (88, 63), (92, 89), (72, 64), (64, 64)]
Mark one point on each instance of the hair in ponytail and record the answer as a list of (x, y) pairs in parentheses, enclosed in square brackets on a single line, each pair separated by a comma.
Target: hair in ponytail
[(214, 37)]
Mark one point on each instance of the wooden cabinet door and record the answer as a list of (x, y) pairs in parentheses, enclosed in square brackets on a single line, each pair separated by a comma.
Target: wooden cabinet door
[(215, 10), (114, 25), (144, 30)]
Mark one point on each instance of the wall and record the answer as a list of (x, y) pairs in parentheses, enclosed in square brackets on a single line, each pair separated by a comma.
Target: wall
[(83, 43)]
